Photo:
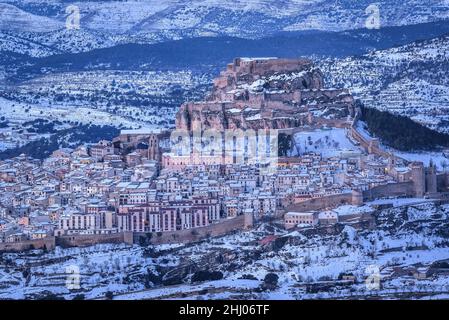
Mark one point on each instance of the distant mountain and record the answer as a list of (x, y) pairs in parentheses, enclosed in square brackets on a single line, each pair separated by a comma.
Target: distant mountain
[(233, 17), (210, 54), (410, 80), (108, 23), (17, 20)]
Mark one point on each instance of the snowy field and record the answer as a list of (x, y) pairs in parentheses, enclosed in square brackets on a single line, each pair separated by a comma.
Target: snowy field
[(108, 97), (329, 142)]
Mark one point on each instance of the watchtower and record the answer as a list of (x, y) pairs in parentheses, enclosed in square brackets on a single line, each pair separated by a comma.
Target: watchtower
[(153, 147)]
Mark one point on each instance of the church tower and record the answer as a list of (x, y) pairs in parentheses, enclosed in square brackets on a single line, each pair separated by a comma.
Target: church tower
[(418, 178), (431, 178), (153, 147)]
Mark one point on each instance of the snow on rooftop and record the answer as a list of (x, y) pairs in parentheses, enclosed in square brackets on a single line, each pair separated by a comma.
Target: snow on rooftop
[(328, 215), (140, 131), (292, 213), (254, 117), (247, 59)]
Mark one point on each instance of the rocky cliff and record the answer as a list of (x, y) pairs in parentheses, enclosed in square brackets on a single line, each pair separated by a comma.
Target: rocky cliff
[(266, 93)]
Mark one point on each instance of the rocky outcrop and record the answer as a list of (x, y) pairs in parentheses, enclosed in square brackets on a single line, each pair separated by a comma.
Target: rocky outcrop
[(266, 93)]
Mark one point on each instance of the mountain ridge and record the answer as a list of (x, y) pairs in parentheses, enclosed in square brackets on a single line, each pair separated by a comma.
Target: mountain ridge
[(208, 54), (155, 21)]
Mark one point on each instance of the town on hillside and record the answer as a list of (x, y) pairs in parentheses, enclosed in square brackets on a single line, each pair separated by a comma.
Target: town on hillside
[(140, 188)]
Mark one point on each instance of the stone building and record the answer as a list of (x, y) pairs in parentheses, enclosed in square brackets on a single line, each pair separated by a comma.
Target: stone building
[(292, 219)]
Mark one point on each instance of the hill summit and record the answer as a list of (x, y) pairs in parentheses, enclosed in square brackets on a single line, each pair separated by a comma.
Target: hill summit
[(267, 93)]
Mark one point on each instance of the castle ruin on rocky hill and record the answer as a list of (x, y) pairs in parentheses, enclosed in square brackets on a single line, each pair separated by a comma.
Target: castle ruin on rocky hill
[(267, 93)]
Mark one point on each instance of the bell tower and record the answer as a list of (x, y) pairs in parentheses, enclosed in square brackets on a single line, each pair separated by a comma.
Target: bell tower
[(153, 147)]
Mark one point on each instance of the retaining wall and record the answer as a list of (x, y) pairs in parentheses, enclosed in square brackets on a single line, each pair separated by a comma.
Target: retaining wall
[(193, 235), (321, 203), (89, 240), (389, 190), (47, 243)]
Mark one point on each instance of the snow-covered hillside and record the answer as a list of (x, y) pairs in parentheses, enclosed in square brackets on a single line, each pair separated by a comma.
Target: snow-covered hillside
[(103, 97), (15, 19), (411, 234), (411, 80), (219, 15), (104, 23)]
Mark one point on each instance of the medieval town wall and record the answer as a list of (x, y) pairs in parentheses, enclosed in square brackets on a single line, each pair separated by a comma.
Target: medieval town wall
[(89, 240), (46, 243), (317, 124), (192, 235), (442, 181), (322, 203), (182, 236), (365, 144), (390, 190)]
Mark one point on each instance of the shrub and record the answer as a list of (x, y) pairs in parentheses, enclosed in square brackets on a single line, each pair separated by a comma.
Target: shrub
[(271, 279), (205, 275), (109, 295)]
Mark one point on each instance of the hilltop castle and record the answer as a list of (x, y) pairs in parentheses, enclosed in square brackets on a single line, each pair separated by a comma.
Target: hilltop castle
[(267, 93)]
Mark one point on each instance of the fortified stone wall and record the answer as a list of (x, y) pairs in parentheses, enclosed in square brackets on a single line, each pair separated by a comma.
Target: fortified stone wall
[(192, 235), (322, 203), (89, 240), (218, 229), (442, 181), (318, 123), (47, 243), (365, 144), (390, 190), (260, 67)]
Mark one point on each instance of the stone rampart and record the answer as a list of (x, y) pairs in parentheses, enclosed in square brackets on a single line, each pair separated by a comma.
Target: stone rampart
[(390, 190), (81, 240), (45, 243), (192, 235)]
